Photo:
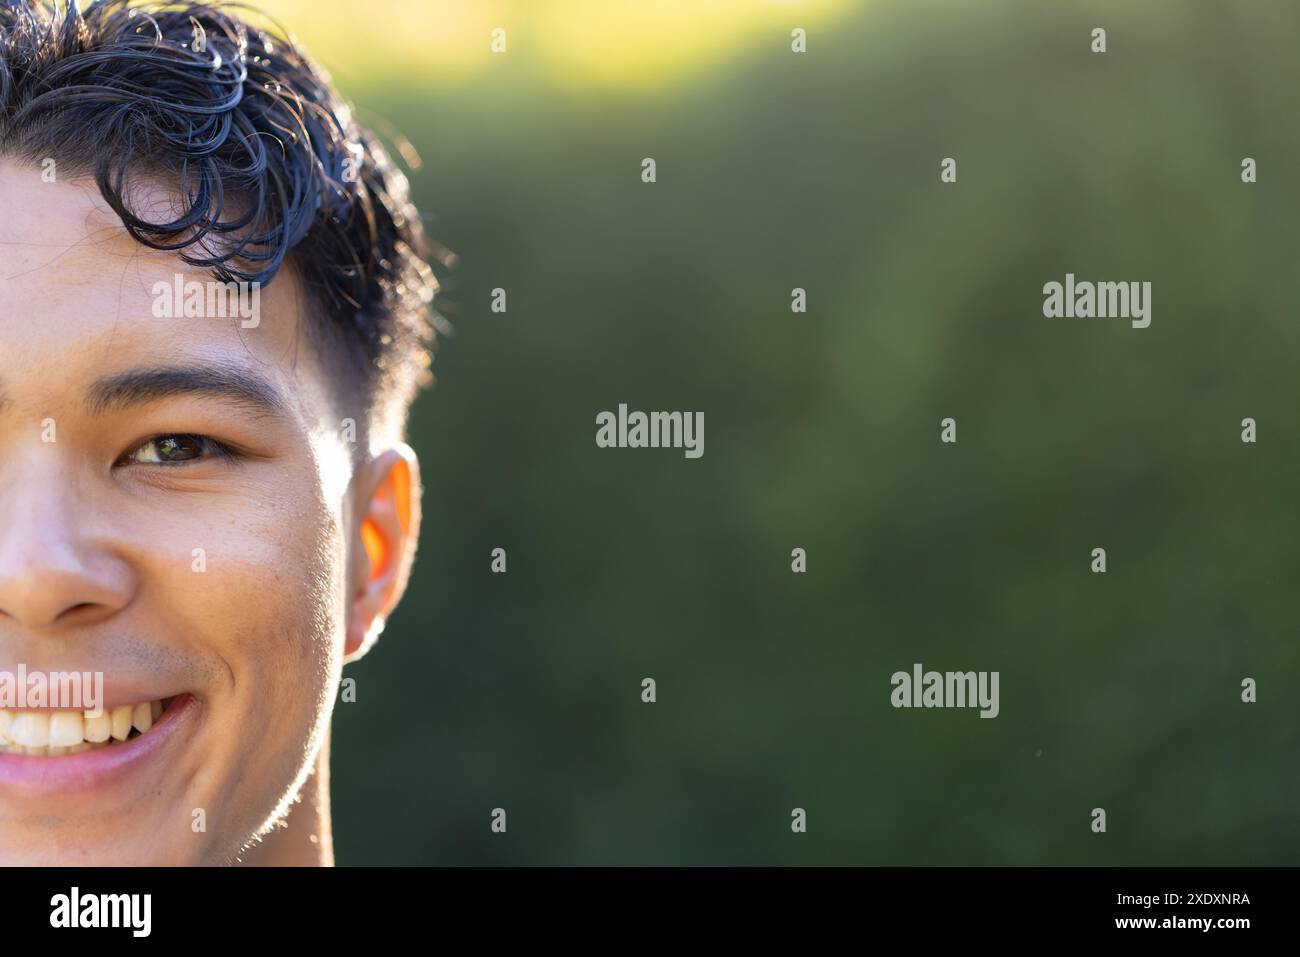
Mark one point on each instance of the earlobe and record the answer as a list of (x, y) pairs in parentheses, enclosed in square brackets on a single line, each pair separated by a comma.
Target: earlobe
[(388, 509)]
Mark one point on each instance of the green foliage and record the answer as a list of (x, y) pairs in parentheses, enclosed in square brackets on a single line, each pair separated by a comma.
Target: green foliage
[(1120, 690)]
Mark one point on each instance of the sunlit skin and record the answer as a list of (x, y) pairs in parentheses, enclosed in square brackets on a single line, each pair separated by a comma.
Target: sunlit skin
[(305, 551)]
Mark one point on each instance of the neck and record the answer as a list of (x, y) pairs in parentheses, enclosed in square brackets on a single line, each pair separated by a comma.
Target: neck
[(304, 837)]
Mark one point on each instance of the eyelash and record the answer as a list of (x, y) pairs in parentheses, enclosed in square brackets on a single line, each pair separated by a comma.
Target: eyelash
[(209, 448)]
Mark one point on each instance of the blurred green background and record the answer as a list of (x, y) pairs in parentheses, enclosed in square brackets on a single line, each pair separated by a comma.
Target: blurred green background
[(821, 170)]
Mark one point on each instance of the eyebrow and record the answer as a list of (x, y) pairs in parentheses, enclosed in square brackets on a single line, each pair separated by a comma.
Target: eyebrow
[(140, 386)]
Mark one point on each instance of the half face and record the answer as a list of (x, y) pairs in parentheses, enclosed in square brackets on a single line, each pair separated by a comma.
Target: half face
[(173, 515)]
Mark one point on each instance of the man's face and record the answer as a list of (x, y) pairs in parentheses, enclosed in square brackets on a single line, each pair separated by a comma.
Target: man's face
[(173, 513)]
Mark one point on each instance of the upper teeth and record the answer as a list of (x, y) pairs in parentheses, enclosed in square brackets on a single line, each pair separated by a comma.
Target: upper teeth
[(52, 733)]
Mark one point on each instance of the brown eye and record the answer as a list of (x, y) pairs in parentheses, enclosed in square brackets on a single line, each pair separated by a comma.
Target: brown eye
[(172, 450)]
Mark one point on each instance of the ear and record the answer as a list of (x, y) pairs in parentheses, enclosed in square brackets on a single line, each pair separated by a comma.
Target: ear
[(387, 507)]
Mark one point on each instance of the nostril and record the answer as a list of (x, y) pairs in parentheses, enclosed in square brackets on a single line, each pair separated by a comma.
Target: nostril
[(73, 611), (63, 588)]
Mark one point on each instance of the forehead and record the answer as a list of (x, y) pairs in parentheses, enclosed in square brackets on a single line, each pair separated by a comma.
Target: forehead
[(80, 296)]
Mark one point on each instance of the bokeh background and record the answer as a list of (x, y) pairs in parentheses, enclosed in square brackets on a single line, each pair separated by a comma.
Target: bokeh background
[(821, 170)]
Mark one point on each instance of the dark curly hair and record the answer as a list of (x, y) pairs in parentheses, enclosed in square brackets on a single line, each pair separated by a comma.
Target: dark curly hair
[(266, 160)]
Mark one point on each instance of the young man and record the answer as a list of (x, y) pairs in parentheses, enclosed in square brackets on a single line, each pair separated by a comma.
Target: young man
[(214, 314)]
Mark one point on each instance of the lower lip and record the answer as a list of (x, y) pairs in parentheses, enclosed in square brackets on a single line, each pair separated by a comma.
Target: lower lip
[(35, 776)]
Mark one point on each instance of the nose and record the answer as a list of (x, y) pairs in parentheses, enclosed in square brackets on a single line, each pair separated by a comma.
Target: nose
[(55, 570)]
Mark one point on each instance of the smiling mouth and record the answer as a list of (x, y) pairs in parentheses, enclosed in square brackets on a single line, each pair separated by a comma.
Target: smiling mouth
[(53, 734)]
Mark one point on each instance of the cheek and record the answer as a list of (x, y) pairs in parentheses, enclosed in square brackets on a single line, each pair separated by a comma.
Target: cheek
[(283, 597), (259, 584), (268, 614), (282, 588)]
